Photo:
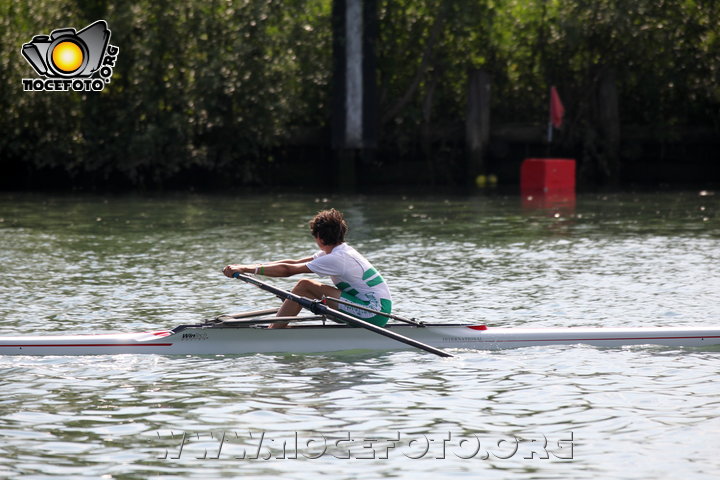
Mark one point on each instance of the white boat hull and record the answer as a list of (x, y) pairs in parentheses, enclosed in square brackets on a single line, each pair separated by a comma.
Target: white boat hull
[(214, 340)]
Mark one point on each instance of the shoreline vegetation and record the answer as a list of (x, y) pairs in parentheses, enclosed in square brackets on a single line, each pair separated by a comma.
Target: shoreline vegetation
[(222, 94)]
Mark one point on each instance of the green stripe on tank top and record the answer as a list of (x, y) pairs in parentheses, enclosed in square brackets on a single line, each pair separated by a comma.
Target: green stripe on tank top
[(345, 287), (368, 273), (375, 281)]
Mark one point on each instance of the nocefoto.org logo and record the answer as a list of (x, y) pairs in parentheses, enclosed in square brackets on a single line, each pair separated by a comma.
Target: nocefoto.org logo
[(67, 60)]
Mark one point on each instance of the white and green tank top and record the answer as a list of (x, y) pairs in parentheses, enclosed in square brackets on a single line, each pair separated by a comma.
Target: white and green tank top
[(356, 278)]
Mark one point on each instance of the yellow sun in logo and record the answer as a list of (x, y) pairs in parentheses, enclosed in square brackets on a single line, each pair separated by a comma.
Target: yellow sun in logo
[(67, 56)]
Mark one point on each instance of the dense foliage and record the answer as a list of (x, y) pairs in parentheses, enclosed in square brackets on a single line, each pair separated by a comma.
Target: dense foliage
[(220, 85)]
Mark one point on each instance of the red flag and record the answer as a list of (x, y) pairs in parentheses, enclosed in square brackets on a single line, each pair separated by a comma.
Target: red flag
[(557, 111)]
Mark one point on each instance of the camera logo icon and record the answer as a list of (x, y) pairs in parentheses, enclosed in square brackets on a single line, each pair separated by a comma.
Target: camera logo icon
[(68, 59)]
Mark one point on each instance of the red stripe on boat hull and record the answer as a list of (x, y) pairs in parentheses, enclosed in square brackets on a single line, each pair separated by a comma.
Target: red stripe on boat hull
[(84, 345)]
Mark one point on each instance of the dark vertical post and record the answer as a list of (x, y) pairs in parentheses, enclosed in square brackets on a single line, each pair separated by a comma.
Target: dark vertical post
[(477, 122), (371, 116), (609, 117), (354, 107)]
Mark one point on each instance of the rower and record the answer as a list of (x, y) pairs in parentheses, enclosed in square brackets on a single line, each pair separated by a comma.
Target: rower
[(356, 281)]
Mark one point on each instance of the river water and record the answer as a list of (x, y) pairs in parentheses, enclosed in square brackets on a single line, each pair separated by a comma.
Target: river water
[(83, 263)]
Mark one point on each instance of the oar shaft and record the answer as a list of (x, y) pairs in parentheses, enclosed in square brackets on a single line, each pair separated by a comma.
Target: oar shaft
[(376, 312), (283, 294), (254, 313), (317, 307)]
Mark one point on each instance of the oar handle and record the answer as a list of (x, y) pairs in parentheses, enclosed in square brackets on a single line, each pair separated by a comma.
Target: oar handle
[(318, 308)]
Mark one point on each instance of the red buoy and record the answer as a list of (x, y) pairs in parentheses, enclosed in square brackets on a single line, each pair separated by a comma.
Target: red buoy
[(547, 176)]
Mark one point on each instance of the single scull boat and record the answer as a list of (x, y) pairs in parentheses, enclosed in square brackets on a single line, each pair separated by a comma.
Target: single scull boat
[(247, 332), (233, 336)]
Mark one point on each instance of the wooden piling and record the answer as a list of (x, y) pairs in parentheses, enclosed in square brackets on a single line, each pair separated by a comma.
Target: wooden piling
[(477, 123), (609, 122), (354, 107)]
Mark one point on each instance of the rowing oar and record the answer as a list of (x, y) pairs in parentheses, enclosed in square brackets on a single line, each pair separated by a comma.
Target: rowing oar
[(318, 308), (410, 321)]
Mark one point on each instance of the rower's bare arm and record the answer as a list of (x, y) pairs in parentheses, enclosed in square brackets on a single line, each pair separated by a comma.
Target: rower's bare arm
[(284, 269), (290, 261), (275, 269)]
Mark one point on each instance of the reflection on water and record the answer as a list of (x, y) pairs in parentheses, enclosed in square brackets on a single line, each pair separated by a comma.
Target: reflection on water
[(557, 203), (84, 263)]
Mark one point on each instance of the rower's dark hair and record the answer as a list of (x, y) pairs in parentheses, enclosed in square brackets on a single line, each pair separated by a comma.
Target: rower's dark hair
[(329, 226)]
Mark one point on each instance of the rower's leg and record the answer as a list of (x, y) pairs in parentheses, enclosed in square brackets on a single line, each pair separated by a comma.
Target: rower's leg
[(305, 288)]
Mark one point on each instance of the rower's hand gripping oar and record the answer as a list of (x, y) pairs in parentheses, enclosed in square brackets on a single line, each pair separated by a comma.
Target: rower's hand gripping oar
[(318, 308)]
